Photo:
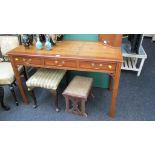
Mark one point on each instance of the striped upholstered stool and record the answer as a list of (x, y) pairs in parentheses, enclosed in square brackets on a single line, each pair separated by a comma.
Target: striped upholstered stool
[(48, 79)]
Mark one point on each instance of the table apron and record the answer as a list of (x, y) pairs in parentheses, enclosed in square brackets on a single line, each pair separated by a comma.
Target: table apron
[(67, 64)]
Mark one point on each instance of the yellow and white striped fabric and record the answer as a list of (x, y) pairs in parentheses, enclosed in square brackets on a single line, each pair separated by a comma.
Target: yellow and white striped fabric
[(46, 78)]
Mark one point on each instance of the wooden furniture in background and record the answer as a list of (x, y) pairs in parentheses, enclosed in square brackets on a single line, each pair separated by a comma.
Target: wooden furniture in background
[(72, 55), (113, 40), (77, 92)]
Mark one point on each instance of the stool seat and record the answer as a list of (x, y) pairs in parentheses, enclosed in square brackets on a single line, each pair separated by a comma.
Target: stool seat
[(46, 78), (79, 87)]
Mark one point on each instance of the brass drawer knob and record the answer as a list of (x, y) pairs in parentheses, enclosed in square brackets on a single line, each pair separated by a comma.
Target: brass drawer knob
[(109, 66), (16, 59), (100, 65), (93, 64), (24, 59), (29, 60), (63, 62), (105, 42), (56, 62)]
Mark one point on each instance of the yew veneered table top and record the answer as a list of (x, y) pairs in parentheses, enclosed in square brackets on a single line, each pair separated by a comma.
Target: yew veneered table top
[(74, 49)]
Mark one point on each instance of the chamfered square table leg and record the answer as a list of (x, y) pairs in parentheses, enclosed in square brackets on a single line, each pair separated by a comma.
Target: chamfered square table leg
[(19, 81), (116, 78)]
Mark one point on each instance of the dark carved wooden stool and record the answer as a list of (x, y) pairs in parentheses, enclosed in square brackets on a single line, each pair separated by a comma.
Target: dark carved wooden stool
[(77, 92)]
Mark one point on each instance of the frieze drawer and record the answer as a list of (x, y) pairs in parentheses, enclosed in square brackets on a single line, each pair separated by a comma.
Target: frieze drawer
[(61, 63), (97, 65), (28, 61)]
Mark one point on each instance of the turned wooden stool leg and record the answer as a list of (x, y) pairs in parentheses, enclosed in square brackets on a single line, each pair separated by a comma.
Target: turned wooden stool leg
[(25, 73), (83, 107), (67, 104), (55, 96), (35, 105)]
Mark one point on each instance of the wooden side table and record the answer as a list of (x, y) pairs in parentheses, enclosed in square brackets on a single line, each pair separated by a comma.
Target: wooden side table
[(87, 56), (77, 92)]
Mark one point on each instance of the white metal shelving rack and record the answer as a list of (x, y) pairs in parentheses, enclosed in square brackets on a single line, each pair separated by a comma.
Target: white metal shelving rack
[(130, 61)]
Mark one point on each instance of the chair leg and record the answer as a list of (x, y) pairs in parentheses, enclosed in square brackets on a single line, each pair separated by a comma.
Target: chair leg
[(67, 78), (55, 96), (35, 105), (14, 83), (5, 107), (13, 94)]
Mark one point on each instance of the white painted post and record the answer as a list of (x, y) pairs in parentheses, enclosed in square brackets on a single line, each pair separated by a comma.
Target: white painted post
[(136, 59), (141, 66)]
